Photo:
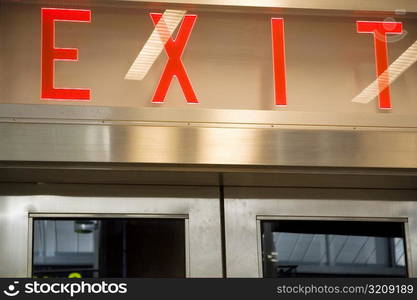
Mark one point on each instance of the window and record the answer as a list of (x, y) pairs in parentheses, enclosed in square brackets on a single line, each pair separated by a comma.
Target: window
[(333, 248), (108, 248)]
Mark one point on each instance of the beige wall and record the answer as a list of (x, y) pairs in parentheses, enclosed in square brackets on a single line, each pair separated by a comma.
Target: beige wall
[(228, 59)]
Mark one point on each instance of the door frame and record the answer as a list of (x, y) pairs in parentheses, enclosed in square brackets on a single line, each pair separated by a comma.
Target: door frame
[(246, 206), (200, 207), (260, 218), (55, 216)]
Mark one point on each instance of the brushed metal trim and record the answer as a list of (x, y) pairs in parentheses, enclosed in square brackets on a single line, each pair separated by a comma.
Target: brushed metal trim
[(259, 243), (408, 251), (187, 249), (356, 5), (191, 169), (329, 218), (107, 216), (30, 247), (386, 5), (272, 147), (71, 114)]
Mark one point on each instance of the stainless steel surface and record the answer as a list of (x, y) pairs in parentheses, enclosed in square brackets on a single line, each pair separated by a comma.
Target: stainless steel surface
[(105, 216), (358, 5), (369, 5), (29, 248), (206, 146), (18, 201), (259, 246), (59, 114), (324, 218), (188, 170), (187, 248), (243, 207)]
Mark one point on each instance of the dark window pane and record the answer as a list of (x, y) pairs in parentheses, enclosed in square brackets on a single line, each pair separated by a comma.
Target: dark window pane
[(109, 248), (333, 248)]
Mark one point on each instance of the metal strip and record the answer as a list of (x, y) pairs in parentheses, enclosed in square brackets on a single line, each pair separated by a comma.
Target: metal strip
[(409, 258), (187, 249), (386, 5), (63, 114), (259, 243), (331, 5), (106, 216), (322, 218), (207, 146), (222, 226), (30, 247)]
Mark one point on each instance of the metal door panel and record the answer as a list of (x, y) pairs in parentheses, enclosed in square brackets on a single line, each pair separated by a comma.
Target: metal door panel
[(245, 206), (19, 202)]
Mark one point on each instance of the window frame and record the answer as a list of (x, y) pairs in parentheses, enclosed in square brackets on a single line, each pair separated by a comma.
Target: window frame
[(67, 216), (405, 222)]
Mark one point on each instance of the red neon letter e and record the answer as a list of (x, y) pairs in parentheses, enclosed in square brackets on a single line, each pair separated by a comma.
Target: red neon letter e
[(278, 51), (380, 31), (50, 54), (174, 65)]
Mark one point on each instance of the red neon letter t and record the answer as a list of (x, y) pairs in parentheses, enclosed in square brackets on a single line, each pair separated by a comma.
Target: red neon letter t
[(380, 31)]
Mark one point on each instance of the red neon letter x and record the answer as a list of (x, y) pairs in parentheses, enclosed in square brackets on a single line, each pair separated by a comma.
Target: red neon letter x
[(50, 54), (278, 49), (174, 66), (380, 30)]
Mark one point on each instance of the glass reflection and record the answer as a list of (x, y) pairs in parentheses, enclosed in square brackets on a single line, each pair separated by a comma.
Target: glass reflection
[(332, 249), (121, 248)]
